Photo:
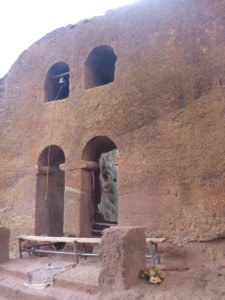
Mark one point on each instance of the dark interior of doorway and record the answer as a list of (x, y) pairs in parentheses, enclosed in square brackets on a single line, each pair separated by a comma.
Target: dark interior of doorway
[(104, 202), (104, 183), (49, 213)]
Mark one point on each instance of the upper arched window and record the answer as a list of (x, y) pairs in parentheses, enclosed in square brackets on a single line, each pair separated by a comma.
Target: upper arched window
[(100, 67), (57, 82)]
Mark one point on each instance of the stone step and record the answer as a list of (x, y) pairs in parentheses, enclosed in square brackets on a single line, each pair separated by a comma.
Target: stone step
[(87, 288), (14, 273), (66, 286), (13, 288), (11, 293), (98, 227)]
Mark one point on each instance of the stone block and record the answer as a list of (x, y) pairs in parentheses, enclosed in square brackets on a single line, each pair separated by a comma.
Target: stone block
[(123, 256)]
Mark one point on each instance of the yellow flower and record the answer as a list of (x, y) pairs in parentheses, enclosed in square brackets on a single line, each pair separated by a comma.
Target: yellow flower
[(155, 280)]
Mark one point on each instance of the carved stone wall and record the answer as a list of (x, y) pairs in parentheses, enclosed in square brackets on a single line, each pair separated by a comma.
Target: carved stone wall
[(164, 110)]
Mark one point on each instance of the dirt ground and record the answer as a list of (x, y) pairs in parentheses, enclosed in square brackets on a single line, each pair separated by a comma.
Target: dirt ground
[(192, 272)]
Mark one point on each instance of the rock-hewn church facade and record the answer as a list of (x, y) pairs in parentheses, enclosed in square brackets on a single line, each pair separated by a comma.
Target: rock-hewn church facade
[(119, 119)]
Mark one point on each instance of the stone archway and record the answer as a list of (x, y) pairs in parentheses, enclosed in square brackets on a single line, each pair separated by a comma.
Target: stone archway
[(49, 214), (99, 178)]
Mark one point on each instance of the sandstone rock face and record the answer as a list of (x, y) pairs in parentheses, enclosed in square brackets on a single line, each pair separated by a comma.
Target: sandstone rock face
[(123, 256), (162, 106)]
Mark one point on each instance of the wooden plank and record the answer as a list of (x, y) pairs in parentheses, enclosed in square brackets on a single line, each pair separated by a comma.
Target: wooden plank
[(53, 239), (88, 240), (50, 239), (156, 240), (62, 239), (105, 224)]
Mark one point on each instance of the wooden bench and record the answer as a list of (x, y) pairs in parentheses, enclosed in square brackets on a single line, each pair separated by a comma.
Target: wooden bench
[(75, 241)]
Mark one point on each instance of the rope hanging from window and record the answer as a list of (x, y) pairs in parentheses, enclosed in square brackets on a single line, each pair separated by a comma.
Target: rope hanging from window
[(61, 84)]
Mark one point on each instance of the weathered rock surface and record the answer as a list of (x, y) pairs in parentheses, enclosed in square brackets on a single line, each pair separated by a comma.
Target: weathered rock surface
[(123, 256), (164, 111)]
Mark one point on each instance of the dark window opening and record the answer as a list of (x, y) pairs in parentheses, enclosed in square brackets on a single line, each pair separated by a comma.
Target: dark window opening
[(100, 67), (57, 82)]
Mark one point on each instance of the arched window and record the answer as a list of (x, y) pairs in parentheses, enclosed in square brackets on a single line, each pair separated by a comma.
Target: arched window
[(49, 215), (57, 82), (100, 67), (100, 203)]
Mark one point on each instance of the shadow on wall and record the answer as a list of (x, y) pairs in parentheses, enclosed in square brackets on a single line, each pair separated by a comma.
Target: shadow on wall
[(49, 213)]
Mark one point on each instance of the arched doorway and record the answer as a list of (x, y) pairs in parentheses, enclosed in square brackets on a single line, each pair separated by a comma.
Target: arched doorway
[(102, 181), (50, 192)]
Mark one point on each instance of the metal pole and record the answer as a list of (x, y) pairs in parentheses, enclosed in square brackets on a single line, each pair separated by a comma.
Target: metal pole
[(20, 247), (60, 75), (157, 252), (151, 253), (75, 251)]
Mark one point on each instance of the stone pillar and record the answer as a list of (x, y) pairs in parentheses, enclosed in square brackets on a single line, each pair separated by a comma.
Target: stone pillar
[(78, 197), (72, 197), (4, 244), (123, 257)]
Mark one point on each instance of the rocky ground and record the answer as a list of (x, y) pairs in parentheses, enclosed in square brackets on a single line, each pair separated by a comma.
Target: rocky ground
[(188, 276)]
